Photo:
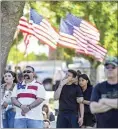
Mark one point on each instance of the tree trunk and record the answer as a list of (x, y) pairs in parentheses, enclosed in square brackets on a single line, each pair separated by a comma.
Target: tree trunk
[(93, 72), (11, 11), (52, 54), (93, 75)]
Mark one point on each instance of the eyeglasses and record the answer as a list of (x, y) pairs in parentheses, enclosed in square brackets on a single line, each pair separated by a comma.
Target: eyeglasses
[(110, 67), (27, 71)]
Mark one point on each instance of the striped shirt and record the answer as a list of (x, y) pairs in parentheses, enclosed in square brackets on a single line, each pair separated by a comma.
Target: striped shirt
[(27, 94)]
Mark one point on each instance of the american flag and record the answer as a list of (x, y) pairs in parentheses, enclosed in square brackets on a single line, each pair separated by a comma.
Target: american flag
[(40, 28), (66, 38), (97, 51), (87, 37), (26, 41), (24, 27), (43, 30), (83, 29)]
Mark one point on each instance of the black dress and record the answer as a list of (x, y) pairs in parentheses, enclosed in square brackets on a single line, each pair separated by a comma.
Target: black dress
[(89, 118)]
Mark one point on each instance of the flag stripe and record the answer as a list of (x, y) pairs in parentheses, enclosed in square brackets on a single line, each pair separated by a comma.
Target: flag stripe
[(66, 44), (40, 29), (89, 25), (43, 29), (94, 33), (67, 40), (84, 36), (88, 34)]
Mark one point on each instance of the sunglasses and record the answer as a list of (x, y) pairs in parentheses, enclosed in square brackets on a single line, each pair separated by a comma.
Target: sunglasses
[(27, 71), (110, 67)]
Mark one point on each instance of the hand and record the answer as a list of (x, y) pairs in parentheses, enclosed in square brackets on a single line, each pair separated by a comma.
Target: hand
[(80, 121), (25, 108), (44, 115), (22, 113), (64, 81), (5, 104), (75, 80)]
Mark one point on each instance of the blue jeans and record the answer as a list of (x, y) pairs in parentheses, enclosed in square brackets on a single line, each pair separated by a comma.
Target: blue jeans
[(67, 120), (28, 123), (8, 122)]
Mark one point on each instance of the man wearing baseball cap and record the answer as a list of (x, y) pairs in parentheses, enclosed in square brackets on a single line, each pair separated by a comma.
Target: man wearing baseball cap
[(104, 99)]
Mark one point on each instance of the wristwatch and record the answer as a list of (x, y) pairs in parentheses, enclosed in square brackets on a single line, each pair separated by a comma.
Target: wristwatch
[(29, 107), (20, 105)]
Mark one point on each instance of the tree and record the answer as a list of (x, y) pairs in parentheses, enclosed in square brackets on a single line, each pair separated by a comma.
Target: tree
[(11, 11), (14, 52), (101, 14)]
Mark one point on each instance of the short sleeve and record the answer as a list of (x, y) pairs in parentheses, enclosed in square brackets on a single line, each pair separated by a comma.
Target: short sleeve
[(95, 96), (79, 92), (41, 93), (51, 117)]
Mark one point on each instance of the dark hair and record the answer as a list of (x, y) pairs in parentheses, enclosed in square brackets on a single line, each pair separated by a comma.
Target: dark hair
[(78, 72), (46, 106), (30, 67), (47, 121), (13, 74), (84, 76), (73, 72)]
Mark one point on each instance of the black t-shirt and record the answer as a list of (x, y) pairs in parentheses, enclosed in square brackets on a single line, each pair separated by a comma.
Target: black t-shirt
[(108, 119), (68, 98), (87, 96)]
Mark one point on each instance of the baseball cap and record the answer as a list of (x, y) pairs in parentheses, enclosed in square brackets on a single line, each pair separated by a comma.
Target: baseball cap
[(111, 60)]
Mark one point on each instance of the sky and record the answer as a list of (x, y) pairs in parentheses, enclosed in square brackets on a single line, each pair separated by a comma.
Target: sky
[(34, 47)]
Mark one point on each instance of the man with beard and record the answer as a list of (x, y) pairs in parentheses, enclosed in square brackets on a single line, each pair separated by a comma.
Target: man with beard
[(28, 97)]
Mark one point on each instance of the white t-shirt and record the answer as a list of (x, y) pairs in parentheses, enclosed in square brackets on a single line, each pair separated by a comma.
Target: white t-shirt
[(27, 96)]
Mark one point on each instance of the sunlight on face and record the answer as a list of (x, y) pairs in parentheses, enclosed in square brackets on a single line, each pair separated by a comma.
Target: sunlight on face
[(82, 82), (8, 77), (45, 109), (70, 75), (29, 72), (111, 71)]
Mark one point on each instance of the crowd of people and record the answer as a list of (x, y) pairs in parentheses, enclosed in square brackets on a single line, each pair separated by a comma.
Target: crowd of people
[(81, 105)]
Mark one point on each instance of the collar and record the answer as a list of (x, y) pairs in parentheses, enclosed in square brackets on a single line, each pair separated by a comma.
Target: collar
[(23, 83)]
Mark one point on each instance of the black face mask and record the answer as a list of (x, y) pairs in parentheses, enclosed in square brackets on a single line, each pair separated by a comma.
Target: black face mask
[(26, 76)]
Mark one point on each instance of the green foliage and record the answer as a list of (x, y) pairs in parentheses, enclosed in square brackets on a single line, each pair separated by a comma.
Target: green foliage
[(16, 56), (101, 14)]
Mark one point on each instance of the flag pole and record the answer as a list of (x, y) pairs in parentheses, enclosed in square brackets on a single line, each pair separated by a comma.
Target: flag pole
[(27, 36)]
